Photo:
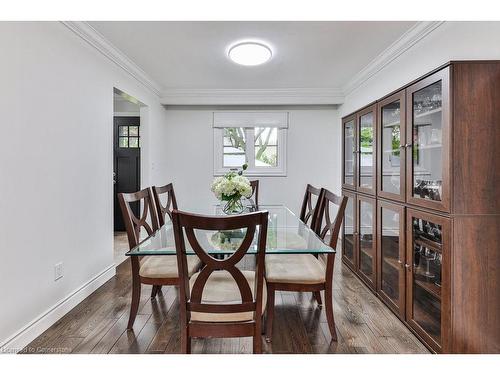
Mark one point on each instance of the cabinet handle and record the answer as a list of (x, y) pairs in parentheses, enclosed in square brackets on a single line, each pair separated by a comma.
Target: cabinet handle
[(400, 263), (408, 145), (408, 267)]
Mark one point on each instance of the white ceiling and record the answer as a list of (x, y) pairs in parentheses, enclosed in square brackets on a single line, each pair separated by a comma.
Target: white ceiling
[(192, 55)]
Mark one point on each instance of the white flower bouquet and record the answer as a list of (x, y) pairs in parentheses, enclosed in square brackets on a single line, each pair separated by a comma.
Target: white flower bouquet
[(231, 188)]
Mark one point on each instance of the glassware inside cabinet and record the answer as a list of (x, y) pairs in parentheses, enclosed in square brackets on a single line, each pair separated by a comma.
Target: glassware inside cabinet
[(427, 267), (427, 149)]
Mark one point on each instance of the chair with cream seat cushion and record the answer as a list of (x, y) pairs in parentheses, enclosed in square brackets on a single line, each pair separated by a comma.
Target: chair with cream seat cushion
[(152, 270), (305, 272), (222, 289), (221, 300), (165, 266), (295, 268)]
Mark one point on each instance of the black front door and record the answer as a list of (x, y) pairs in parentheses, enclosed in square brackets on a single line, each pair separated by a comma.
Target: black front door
[(126, 163)]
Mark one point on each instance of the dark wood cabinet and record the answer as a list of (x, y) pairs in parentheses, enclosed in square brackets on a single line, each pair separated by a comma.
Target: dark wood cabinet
[(366, 147), (391, 255), (349, 231), (366, 250), (349, 152), (423, 230), (428, 275), (428, 142), (391, 143)]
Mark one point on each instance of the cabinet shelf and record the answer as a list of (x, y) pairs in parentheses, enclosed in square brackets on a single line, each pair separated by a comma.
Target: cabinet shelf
[(429, 287), (428, 113), (392, 262), (429, 243)]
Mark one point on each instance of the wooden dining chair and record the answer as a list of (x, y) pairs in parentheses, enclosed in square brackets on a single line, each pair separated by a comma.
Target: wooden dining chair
[(156, 270), (305, 272), (255, 192), (309, 204), (221, 300), (171, 202)]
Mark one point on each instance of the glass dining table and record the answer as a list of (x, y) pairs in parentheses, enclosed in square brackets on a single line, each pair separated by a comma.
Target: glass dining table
[(286, 234)]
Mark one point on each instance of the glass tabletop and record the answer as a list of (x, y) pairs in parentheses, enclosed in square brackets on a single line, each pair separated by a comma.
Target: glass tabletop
[(286, 234)]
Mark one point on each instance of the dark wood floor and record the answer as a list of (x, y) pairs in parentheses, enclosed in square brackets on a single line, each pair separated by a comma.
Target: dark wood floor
[(98, 324)]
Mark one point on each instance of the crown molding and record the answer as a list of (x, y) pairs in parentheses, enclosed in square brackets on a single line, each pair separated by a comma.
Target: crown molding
[(297, 96), (99, 42), (419, 31)]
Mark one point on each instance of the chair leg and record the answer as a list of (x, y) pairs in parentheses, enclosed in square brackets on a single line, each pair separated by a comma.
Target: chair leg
[(257, 341), (185, 341), (329, 311), (317, 297), (136, 292), (154, 291), (270, 313)]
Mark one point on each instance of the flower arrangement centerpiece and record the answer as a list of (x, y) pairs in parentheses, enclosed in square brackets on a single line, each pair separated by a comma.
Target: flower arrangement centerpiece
[(230, 189)]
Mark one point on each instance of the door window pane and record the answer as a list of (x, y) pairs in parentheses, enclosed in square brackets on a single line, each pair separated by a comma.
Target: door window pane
[(391, 268), (427, 142), (133, 131), (123, 142), (391, 142), (366, 131), (133, 142), (266, 147), (349, 152), (234, 144), (123, 131)]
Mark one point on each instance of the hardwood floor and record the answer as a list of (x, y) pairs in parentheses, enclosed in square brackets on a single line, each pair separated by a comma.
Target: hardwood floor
[(98, 324)]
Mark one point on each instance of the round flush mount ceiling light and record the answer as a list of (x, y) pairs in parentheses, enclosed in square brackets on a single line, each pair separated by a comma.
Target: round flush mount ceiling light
[(249, 53)]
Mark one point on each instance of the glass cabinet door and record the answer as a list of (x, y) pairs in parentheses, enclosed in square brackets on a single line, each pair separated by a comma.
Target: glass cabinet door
[(391, 247), (427, 274), (428, 145), (366, 151), (349, 147), (349, 231), (391, 136), (366, 239)]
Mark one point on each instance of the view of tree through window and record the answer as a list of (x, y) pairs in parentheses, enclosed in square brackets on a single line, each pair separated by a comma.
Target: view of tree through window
[(265, 142), (234, 147), (266, 147)]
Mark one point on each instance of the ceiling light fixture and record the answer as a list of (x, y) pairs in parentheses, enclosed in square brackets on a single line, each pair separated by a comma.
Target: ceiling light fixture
[(249, 53)]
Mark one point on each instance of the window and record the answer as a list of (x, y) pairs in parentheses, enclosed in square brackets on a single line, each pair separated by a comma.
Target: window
[(128, 136), (255, 138)]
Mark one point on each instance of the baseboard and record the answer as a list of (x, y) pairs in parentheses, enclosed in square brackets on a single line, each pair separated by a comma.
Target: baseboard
[(37, 326)]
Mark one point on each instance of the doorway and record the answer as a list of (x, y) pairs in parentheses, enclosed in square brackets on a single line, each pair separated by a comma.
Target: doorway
[(126, 163)]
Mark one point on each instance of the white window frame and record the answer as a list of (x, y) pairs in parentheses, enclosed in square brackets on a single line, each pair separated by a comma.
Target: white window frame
[(252, 170)]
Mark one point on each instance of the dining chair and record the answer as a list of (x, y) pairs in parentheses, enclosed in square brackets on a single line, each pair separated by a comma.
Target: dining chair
[(153, 270), (255, 192), (171, 202), (309, 204), (220, 300), (305, 272)]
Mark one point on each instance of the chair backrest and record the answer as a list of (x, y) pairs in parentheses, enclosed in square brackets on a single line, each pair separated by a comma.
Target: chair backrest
[(171, 202), (191, 300), (255, 192), (327, 198), (309, 204), (133, 224)]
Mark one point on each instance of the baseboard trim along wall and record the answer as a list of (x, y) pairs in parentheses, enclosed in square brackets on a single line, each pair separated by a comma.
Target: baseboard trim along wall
[(37, 326)]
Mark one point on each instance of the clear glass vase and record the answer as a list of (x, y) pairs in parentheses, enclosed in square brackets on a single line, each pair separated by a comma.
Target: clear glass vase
[(233, 206)]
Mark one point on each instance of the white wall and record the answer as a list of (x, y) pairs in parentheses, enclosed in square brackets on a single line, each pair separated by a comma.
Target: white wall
[(56, 171), (450, 41), (186, 158)]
